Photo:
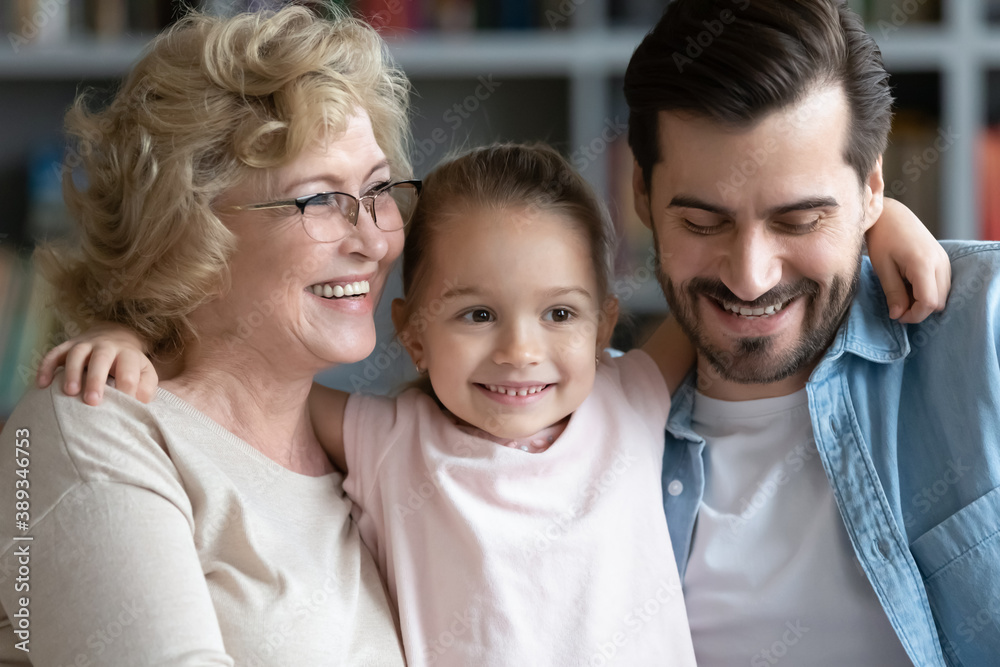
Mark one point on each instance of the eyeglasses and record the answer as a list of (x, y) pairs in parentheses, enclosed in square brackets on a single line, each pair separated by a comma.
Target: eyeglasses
[(330, 216)]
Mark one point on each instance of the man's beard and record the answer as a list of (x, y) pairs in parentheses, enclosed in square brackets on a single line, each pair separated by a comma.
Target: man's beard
[(753, 360)]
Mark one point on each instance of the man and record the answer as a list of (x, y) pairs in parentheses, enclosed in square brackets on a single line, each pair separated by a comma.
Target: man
[(831, 476)]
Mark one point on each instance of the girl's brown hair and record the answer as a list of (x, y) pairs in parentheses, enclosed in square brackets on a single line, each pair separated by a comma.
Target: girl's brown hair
[(504, 177), (499, 177)]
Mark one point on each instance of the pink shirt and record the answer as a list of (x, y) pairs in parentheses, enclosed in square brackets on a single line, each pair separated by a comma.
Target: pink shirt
[(496, 556)]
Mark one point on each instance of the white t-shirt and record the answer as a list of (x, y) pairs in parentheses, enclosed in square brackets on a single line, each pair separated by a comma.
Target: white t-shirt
[(772, 575), (497, 556)]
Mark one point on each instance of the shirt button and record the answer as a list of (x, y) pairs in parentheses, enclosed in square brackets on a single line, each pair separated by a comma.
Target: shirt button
[(675, 488)]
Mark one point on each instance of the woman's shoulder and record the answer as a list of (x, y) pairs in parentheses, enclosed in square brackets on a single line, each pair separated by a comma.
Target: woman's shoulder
[(74, 450), (76, 419), (118, 440)]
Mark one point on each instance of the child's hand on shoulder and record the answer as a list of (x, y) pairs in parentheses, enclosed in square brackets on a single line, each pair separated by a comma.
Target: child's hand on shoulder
[(914, 269), (105, 350)]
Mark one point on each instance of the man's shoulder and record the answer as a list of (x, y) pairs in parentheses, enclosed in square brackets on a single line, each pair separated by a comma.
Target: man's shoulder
[(975, 279), (973, 259), (975, 286), (974, 252), (969, 324), (971, 317)]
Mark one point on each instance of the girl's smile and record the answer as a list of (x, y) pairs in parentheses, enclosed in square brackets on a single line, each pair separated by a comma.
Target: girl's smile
[(513, 319)]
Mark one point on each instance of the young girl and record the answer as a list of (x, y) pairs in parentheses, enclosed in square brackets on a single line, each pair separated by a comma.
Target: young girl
[(514, 501)]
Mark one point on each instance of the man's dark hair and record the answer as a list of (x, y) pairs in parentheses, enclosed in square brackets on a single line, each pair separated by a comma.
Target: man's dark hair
[(735, 61)]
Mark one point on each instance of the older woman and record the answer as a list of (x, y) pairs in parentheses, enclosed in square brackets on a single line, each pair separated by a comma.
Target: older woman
[(239, 209)]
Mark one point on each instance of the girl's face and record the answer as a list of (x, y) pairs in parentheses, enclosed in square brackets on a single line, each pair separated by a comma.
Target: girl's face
[(510, 320)]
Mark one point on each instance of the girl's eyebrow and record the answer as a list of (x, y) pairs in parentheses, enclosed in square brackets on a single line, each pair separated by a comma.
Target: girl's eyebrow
[(457, 291), (565, 291)]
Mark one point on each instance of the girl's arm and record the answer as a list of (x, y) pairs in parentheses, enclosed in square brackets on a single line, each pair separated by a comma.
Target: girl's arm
[(914, 269), (326, 410), (672, 351)]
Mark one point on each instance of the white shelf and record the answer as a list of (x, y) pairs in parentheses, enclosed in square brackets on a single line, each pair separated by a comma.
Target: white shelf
[(529, 54), (928, 48), (601, 52), (963, 48), (75, 60)]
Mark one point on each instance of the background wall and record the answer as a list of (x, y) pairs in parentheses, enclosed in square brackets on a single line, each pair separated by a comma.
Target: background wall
[(546, 70)]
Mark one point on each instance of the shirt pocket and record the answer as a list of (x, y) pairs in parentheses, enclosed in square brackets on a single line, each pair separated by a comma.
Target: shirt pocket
[(959, 560)]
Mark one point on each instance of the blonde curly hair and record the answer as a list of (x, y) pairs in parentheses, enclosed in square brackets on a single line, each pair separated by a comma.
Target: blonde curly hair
[(213, 103)]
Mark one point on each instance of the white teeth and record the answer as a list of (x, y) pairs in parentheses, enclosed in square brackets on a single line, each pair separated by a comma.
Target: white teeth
[(753, 312), (337, 291), (510, 391)]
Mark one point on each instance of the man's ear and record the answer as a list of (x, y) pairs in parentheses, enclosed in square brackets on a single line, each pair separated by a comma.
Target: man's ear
[(640, 195), (606, 325), (407, 332), (873, 195)]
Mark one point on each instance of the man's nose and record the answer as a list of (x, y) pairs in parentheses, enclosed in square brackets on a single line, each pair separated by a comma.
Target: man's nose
[(752, 264)]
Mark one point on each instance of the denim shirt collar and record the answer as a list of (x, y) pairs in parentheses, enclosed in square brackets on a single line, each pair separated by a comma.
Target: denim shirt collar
[(868, 332)]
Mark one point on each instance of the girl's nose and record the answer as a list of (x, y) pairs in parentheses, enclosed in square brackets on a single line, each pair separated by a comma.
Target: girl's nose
[(518, 347)]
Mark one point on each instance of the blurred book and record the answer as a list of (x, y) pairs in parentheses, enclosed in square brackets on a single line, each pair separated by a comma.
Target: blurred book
[(38, 22), (48, 217), (107, 19), (990, 184), (450, 15), (232, 7), (24, 329), (517, 14), (912, 166), (391, 16)]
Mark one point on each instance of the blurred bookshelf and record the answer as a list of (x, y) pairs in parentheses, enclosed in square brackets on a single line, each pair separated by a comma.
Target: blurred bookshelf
[(546, 70)]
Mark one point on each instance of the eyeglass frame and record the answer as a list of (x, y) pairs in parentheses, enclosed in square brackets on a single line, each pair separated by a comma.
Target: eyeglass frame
[(301, 202)]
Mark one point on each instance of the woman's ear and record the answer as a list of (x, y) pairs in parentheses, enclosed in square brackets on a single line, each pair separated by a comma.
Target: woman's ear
[(407, 332), (606, 325)]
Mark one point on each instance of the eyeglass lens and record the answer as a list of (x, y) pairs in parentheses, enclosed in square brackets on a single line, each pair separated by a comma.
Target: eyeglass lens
[(330, 216)]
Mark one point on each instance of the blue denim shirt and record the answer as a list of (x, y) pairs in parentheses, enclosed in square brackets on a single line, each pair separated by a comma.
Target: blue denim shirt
[(906, 420)]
